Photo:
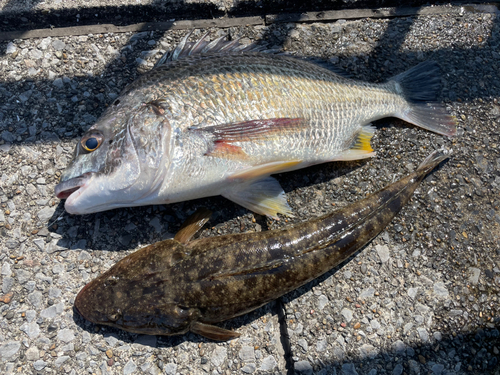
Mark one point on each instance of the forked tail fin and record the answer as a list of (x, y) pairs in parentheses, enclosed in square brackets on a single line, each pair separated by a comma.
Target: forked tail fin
[(420, 87)]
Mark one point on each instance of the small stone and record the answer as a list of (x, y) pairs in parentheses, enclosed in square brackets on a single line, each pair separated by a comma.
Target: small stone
[(367, 293), (66, 335), (155, 223), (6, 298), (32, 354), (59, 361), (440, 290), (25, 96), (303, 368), (58, 45), (249, 368), (46, 213), (437, 369), (321, 345), (347, 314), (219, 355), (11, 48), (399, 347), (31, 329), (398, 369), (6, 270), (39, 365), (170, 368), (22, 276), (58, 82), (357, 325), (303, 344), (424, 336), (375, 324), (383, 253), (129, 368), (368, 351), (474, 278), (247, 354), (268, 363), (9, 350), (349, 369), (109, 353), (35, 299), (322, 302), (111, 340), (412, 292)]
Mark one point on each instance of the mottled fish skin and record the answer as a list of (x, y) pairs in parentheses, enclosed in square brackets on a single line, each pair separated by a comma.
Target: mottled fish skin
[(170, 288), (222, 123)]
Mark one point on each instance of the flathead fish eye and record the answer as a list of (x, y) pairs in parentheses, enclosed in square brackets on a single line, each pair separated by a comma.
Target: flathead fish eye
[(114, 317), (92, 141)]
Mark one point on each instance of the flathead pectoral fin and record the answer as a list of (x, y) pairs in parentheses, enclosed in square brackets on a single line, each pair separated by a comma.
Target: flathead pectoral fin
[(254, 130), (192, 225), (361, 147), (265, 197), (213, 332)]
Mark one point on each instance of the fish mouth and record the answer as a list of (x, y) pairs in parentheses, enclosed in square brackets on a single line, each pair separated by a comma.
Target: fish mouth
[(64, 189)]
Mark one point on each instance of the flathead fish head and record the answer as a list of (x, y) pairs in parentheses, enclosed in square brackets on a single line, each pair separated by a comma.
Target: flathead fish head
[(135, 296), (117, 162)]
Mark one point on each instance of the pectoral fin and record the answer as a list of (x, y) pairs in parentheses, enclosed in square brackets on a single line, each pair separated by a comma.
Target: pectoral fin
[(254, 130), (227, 150), (361, 148), (213, 332), (192, 225), (265, 197)]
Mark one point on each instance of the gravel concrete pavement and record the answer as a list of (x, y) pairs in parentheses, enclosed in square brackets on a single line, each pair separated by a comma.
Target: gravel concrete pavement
[(421, 298)]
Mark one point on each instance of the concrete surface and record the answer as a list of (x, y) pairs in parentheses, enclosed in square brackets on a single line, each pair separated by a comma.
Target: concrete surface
[(421, 298)]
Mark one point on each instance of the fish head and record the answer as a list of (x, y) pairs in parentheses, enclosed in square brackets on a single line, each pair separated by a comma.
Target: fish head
[(118, 162), (133, 295)]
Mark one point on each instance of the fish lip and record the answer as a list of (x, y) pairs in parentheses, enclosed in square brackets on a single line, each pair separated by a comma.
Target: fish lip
[(64, 189)]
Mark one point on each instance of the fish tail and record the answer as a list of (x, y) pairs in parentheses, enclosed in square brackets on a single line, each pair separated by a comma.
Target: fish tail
[(420, 87), (431, 161)]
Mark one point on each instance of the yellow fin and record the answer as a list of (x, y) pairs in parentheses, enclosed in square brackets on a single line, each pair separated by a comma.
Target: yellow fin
[(265, 170), (265, 197), (361, 147)]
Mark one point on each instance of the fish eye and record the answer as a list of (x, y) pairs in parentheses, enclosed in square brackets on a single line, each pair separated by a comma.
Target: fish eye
[(114, 317), (92, 141)]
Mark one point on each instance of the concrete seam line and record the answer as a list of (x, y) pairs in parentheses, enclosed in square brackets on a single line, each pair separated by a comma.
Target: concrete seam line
[(323, 16)]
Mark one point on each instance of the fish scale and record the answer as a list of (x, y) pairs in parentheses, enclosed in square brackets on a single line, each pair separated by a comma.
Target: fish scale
[(212, 120)]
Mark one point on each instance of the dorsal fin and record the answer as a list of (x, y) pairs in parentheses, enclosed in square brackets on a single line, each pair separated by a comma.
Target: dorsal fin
[(203, 46)]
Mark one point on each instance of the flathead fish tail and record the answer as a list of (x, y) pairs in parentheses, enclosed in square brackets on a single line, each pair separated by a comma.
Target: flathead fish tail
[(420, 87), (431, 161)]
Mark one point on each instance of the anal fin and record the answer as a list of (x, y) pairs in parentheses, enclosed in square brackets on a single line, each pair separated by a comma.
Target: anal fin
[(213, 332), (265, 169), (361, 148), (265, 197)]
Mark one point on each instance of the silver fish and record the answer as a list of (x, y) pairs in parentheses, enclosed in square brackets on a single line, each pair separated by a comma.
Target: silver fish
[(218, 118)]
